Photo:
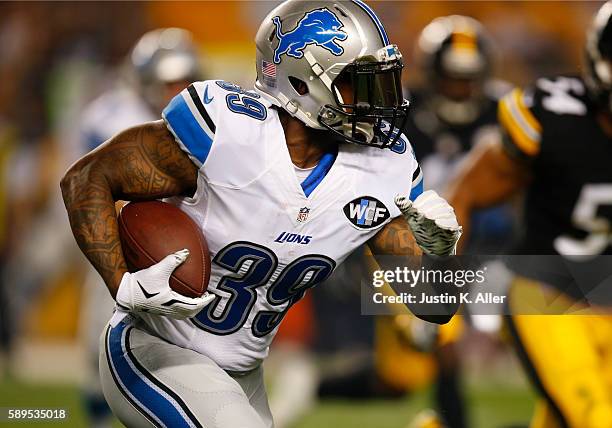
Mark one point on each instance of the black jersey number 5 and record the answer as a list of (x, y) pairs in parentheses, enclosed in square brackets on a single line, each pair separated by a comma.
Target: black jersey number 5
[(587, 216)]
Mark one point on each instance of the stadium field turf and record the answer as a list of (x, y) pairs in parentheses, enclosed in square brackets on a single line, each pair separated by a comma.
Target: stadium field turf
[(491, 406)]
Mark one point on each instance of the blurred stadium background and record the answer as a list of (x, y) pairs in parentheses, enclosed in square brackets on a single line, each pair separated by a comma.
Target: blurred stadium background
[(55, 57)]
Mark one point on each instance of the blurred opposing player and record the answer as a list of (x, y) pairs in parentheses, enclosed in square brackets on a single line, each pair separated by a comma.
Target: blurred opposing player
[(409, 354), (285, 181), (454, 110), (557, 148), (161, 64), (404, 342)]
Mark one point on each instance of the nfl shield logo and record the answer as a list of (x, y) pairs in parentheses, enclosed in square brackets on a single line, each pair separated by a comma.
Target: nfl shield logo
[(303, 214)]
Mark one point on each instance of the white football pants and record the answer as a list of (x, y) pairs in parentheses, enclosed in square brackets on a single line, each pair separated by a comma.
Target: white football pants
[(149, 382)]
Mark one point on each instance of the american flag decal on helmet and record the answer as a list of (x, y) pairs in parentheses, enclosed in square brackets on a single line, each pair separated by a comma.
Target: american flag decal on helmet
[(268, 70)]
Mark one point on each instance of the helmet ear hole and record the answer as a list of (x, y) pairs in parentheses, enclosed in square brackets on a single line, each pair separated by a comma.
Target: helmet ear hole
[(298, 85)]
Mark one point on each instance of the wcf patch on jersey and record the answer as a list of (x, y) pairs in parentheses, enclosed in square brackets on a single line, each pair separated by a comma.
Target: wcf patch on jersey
[(366, 212)]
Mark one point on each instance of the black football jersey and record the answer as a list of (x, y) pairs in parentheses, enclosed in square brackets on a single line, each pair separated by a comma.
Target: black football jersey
[(440, 147), (429, 134), (568, 205)]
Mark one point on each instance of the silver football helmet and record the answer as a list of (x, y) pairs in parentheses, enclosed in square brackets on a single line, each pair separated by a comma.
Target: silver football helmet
[(162, 57), (331, 65)]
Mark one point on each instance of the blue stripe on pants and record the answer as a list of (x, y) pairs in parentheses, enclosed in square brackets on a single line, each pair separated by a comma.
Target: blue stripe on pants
[(153, 402)]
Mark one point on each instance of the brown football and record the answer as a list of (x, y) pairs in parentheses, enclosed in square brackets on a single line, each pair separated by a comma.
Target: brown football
[(151, 230)]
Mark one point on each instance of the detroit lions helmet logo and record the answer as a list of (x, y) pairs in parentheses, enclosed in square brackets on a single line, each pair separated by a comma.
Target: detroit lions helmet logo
[(320, 27)]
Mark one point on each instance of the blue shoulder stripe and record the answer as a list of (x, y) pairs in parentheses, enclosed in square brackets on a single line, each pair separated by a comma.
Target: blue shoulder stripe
[(416, 190), (370, 12), (185, 127), (198, 103)]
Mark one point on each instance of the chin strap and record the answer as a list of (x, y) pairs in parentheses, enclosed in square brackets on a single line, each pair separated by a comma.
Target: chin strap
[(318, 70)]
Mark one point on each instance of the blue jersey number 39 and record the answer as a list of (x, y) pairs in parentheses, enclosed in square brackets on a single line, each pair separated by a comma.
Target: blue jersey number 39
[(251, 267)]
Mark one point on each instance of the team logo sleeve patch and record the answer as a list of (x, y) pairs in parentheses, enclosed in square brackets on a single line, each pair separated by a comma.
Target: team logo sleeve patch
[(366, 212)]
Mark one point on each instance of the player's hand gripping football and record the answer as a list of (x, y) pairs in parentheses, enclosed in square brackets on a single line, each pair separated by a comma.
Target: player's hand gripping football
[(433, 223), (148, 290)]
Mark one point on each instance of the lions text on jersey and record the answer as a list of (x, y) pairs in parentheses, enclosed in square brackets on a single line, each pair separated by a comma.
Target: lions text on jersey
[(271, 237)]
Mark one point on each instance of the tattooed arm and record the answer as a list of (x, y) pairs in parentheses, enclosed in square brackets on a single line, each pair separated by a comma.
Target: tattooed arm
[(140, 163), (394, 246), (395, 239)]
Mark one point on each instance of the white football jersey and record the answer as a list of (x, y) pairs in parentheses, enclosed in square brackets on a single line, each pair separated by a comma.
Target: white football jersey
[(111, 113), (271, 237)]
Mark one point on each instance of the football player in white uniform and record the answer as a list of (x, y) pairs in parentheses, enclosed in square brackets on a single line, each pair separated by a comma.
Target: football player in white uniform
[(160, 65), (327, 100)]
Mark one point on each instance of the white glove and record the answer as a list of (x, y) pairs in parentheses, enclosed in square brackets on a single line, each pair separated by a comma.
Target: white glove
[(433, 222), (148, 290)]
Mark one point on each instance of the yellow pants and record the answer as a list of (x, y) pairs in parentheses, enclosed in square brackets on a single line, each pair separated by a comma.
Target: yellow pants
[(568, 357), (398, 363)]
